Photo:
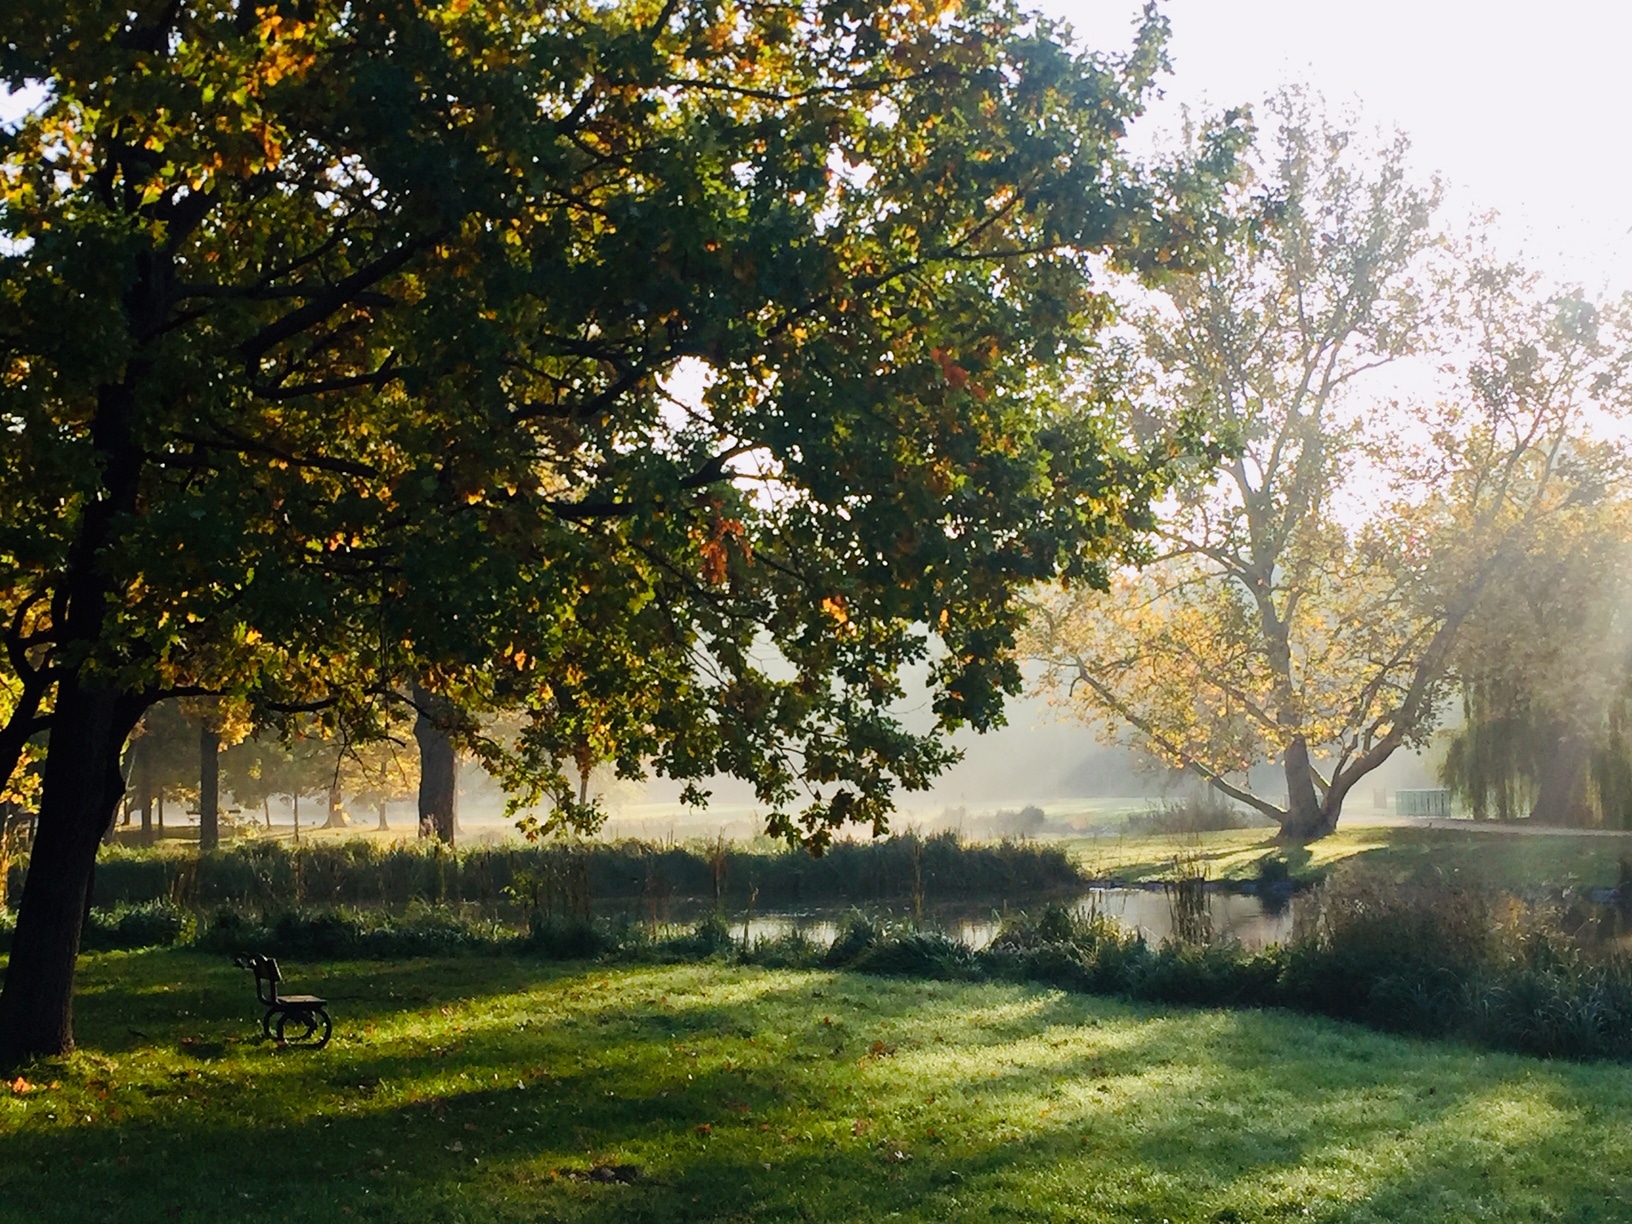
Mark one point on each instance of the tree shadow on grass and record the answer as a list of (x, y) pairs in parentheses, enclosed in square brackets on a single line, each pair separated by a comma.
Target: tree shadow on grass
[(1214, 857), (734, 1100)]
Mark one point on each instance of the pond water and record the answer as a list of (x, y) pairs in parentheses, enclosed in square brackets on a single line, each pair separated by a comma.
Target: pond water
[(1244, 919)]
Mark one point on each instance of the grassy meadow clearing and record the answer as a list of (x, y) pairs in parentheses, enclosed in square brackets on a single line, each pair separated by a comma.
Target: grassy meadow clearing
[(496, 1089)]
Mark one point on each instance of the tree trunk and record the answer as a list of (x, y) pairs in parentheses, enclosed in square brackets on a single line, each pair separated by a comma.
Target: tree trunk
[(1306, 817), (337, 809), (1561, 791), (296, 804), (382, 827), (438, 770), (144, 787), (161, 809), (209, 787), (266, 811), (82, 788)]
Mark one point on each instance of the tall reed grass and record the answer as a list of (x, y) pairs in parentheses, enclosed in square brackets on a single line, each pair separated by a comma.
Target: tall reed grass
[(268, 876)]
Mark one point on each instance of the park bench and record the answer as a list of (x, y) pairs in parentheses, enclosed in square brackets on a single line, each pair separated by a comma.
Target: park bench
[(301, 1020)]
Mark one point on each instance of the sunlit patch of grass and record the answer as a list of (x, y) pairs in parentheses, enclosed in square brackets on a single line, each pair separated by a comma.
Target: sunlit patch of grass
[(495, 1089), (1140, 857), (1503, 858)]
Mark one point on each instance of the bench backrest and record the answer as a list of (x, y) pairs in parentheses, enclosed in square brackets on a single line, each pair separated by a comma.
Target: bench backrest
[(266, 973)]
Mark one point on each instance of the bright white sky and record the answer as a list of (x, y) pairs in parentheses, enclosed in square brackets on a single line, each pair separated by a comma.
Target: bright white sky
[(1521, 106)]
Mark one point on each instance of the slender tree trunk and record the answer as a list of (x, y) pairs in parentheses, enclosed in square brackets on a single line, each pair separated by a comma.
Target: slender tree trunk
[(1561, 791), (161, 809), (438, 770), (82, 788), (209, 787), (266, 811), (296, 803), (382, 827), (144, 787)]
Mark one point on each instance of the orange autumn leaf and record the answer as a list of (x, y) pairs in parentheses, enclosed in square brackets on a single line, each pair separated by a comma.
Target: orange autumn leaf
[(956, 376)]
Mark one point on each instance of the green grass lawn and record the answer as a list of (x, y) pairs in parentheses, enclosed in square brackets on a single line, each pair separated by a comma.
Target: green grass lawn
[(1503, 858), (492, 1089)]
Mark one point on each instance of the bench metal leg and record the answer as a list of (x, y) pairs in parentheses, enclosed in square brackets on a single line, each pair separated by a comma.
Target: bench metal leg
[(304, 1026)]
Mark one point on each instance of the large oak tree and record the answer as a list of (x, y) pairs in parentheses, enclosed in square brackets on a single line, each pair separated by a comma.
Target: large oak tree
[(338, 346)]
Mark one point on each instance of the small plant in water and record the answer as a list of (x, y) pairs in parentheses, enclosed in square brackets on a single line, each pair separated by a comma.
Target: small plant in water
[(1186, 891)]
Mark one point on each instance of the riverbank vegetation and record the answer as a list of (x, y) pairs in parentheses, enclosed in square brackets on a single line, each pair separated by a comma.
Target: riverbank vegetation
[(1431, 956)]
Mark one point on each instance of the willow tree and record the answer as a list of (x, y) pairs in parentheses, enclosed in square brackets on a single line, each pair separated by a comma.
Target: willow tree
[(336, 347), (1545, 672), (1303, 606)]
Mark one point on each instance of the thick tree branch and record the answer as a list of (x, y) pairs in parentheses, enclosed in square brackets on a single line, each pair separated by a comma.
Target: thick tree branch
[(345, 292), (1154, 734)]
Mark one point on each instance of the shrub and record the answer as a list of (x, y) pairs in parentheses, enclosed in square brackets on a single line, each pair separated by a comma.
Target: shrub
[(710, 937), (1209, 976), (1273, 874), (1394, 955), (569, 939), (1068, 948), (790, 950), (916, 954), (156, 924), (857, 933)]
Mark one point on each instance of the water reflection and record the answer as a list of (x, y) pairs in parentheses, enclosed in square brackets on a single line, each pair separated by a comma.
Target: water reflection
[(1246, 920)]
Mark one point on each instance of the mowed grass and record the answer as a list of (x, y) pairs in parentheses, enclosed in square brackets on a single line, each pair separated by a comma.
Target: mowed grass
[(1503, 858), (493, 1089)]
